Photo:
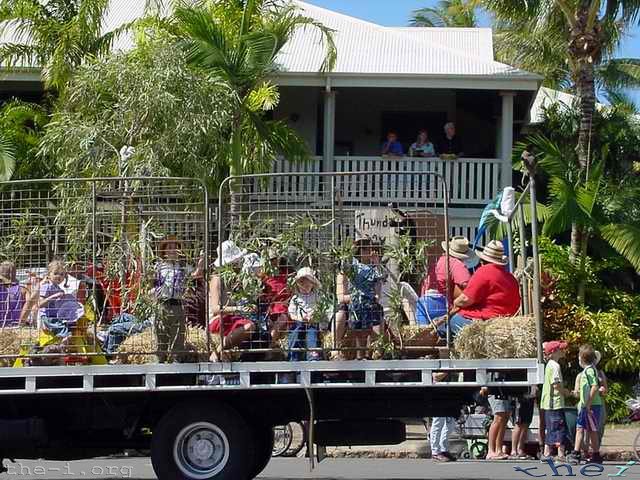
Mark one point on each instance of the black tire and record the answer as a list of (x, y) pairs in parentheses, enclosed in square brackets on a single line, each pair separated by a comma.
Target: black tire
[(202, 442), (298, 439), (263, 440)]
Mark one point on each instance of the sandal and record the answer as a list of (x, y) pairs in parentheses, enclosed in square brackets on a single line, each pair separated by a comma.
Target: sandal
[(498, 457)]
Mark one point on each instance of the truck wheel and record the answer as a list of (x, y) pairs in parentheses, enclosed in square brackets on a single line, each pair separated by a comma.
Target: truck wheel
[(263, 440), (197, 442)]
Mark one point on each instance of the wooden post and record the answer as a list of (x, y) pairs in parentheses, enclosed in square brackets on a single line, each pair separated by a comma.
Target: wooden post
[(506, 139), (328, 163)]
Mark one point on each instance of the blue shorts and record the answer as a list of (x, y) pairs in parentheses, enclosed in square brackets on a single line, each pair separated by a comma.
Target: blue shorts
[(364, 316), (590, 423), (555, 427)]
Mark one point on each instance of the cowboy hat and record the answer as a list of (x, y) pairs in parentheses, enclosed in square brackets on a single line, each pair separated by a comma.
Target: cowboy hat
[(459, 248), (228, 253), (493, 252), (309, 274)]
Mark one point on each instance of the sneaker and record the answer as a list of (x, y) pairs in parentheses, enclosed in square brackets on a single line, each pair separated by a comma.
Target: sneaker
[(545, 458), (595, 458), (440, 458), (451, 457), (574, 458)]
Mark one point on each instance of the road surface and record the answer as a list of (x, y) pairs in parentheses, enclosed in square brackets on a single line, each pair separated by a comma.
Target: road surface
[(298, 469)]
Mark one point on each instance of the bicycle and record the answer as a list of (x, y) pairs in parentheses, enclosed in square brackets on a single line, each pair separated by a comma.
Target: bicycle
[(289, 439)]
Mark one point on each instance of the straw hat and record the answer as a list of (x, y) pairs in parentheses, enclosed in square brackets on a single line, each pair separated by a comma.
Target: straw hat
[(164, 244), (459, 248), (598, 357), (228, 253), (493, 252), (309, 274)]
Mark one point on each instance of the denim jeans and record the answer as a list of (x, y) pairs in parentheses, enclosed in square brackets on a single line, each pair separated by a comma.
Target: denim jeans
[(441, 427), (303, 335), (456, 323), (123, 326)]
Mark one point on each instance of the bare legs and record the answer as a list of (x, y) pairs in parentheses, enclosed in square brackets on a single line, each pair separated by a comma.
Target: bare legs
[(233, 339), (496, 435)]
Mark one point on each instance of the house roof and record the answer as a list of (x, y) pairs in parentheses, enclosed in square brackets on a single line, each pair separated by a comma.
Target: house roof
[(367, 51), (365, 48)]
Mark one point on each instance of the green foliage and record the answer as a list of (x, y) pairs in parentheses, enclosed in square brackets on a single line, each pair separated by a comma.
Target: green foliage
[(617, 396), (59, 35), (448, 13), (22, 126), (239, 42), (175, 118), (7, 158)]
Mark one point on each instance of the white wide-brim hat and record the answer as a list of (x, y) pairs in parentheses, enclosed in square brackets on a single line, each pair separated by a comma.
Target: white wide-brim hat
[(493, 252), (229, 253), (309, 274)]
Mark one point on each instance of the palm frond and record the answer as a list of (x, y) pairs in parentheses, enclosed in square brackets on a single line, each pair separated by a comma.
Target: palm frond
[(7, 159), (625, 239), (620, 73), (427, 17)]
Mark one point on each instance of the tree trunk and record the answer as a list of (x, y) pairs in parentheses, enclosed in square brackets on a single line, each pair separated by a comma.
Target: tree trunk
[(235, 187)]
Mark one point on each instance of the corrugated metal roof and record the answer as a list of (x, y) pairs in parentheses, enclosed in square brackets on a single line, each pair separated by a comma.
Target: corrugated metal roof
[(365, 48), (477, 42)]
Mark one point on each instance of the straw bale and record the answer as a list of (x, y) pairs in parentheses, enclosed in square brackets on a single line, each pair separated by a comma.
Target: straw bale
[(11, 339), (140, 349), (417, 336), (504, 337)]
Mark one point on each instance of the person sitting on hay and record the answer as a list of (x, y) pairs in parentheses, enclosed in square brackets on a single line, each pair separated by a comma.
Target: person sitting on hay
[(492, 292), (360, 309), (13, 298), (434, 299), (235, 320)]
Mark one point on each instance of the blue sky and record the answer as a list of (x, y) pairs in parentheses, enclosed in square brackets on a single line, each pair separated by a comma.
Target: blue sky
[(398, 12)]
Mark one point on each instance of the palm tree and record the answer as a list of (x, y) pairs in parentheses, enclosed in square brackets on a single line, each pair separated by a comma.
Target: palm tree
[(581, 36), (448, 13), (238, 42), (571, 42), (604, 204), (57, 36)]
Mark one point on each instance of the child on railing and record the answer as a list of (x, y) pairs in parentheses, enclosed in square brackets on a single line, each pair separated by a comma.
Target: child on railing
[(302, 311)]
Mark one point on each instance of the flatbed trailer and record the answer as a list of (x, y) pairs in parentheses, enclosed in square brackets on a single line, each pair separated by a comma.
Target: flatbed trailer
[(196, 428)]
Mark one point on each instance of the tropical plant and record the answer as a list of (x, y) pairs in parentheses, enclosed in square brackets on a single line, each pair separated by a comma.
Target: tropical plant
[(176, 119), (7, 158), (239, 42), (581, 36), (22, 126), (602, 203), (57, 35), (447, 13)]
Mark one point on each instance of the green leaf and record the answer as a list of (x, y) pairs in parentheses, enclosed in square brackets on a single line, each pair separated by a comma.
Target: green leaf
[(625, 239)]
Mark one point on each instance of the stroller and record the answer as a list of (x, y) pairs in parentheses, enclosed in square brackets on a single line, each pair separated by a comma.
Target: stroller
[(473, 425)]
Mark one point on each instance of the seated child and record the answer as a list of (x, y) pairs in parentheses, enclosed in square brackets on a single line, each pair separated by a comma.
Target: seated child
[(12, 296), (302, 311), (360, 309), (58, 311)]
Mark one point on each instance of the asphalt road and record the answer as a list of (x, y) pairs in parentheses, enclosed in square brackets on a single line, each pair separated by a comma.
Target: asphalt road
[(298, 469)]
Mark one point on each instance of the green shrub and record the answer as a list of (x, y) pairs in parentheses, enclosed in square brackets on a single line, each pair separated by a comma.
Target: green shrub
[(619, 393)]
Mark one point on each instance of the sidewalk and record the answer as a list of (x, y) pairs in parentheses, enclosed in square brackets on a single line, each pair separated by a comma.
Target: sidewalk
[(616, 445)]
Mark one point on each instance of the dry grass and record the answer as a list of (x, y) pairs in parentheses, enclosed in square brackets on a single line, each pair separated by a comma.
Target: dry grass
[(140, 349), (11, 339), (505, 337)]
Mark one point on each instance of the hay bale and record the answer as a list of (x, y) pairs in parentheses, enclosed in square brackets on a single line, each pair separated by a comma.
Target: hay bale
[(11, 341), (503, 337), (140, 349), (417, 336)]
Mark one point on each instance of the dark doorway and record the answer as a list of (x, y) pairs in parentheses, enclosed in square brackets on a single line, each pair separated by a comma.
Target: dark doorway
[(407, 125)]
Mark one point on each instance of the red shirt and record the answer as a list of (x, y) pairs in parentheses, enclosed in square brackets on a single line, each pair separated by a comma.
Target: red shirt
[(493, 292), (276, 294), (437, 276)]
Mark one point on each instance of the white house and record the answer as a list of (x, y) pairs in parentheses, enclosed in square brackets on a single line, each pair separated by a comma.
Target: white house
[(401, 79)]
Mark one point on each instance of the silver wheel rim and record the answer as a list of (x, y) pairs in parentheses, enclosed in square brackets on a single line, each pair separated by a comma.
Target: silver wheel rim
[(201, 450)]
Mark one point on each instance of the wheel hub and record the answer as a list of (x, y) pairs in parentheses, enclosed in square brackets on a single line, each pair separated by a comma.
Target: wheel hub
[(201, 450)]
